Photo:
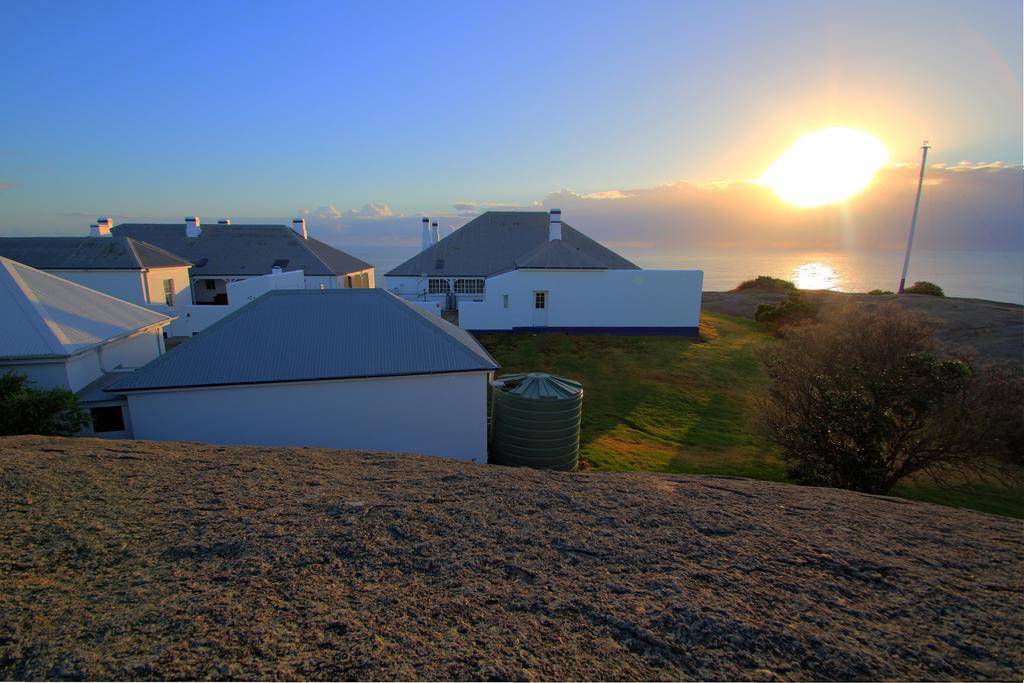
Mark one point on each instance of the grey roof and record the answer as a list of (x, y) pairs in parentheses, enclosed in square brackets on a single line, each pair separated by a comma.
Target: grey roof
[(245, 249), (492, 242), (44, 316), (95, 391), (308, 335), (99, 253), (558, 254)]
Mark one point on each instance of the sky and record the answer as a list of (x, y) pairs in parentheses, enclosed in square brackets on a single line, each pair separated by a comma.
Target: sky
[(643, 118)]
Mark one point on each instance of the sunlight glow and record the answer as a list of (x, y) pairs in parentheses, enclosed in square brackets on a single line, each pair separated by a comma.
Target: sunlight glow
[(826, 167), (815, 275)]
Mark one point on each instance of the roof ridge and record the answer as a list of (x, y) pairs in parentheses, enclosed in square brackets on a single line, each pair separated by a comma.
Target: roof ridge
[(135, 254), (30, 304), (439, 323)]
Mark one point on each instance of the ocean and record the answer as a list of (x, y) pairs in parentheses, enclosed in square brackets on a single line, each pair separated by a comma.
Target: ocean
[(992, 275)]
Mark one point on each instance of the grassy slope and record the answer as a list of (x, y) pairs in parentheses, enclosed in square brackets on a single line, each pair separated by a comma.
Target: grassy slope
[(684, 405)]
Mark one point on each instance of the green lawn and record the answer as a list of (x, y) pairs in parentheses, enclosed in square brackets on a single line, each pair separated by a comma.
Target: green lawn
[(671, 404)]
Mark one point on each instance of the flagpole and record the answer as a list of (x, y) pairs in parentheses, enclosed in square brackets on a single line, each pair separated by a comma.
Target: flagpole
[(913, 222)]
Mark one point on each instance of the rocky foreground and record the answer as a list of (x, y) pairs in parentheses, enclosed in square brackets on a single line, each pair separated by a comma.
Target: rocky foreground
[(134, 560)]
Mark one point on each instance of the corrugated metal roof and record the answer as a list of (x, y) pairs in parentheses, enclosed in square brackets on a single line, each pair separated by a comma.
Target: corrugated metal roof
[(490, 244), (241, 250), (100, 253), (308, 335), (44, 315), (558, 254)]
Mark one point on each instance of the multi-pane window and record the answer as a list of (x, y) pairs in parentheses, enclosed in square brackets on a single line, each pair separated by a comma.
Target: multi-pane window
[(540, 299), (469, 286), (437, 285), (169, 292)]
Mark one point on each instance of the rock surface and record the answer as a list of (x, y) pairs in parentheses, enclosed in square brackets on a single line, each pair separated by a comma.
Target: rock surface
[(123, 559), (991, 329)]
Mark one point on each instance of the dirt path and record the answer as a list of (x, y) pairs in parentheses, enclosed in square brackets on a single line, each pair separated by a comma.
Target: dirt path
[(145, 560)]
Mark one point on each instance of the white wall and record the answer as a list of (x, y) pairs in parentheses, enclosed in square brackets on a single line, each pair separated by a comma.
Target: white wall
[(196, 318), (124, 284), (182, 289), (443, 415), (51, 375), (80, 370), (589, 299)]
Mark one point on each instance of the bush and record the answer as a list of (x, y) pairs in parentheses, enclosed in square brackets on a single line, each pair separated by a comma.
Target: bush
[(879, 292), (764, 283), (49, 412), (792, 310), (924, 287), (863, 399)]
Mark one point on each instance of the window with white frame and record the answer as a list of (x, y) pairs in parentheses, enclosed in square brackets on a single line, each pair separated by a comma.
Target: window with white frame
[(169, 292), (437, 285), (469, 285)]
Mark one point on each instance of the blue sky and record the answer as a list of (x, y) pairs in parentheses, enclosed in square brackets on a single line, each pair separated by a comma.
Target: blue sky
[(250, 109)]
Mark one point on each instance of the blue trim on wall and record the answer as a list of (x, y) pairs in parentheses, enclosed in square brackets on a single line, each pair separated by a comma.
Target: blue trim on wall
[(621, 331)]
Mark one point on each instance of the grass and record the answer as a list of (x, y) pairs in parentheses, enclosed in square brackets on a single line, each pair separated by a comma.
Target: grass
[(671, 404)]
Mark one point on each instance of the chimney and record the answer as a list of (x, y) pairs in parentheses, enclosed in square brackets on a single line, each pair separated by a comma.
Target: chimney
[(224, 221), (101, 228), (427, 238), (276, 270), (555, 228), (299, 226), (435, 233), (192, 226)]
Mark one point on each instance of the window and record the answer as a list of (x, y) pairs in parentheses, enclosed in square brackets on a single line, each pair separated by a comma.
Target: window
[(469, 286), (348, 281), (540, 299), (107, 419), (504, 300), (437, 285), (169, 292), (210, 284)]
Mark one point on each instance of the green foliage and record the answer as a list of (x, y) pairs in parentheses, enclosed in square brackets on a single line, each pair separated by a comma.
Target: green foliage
[(925, 287), (791, 310), (879, 292), (765, 283), (49, 412), (862, 400)]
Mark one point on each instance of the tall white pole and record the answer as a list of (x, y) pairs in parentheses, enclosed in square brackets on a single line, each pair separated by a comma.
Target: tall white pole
[(913, 221)]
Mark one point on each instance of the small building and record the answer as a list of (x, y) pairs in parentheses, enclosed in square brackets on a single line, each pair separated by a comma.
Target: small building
[(227, 252), (60, 334), (350, 369), (510, 270), (126, 268)]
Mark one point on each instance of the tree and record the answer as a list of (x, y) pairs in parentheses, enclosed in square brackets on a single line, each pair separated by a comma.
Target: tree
[(49, 412), (863, 399)]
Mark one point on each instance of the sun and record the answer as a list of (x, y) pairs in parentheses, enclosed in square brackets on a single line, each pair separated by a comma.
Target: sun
[(826, 167)]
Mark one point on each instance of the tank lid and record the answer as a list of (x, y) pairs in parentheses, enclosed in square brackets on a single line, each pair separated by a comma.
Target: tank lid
[(539, 385)]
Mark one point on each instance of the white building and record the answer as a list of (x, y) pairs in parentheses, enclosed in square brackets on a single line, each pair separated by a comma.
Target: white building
[(349, 369), (227, 252), (63, 335), (122, 267), (508, 270)]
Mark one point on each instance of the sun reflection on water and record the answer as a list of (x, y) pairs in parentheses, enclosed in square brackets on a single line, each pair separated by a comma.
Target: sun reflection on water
[(815, 275)]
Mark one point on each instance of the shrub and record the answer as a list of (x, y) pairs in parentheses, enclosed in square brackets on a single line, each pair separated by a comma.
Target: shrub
[(879, 292), (792, 310), (765, 283), (924, 287), (50, 412), (863, 399)]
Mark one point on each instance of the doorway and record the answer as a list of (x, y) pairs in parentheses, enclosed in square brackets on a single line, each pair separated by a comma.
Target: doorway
[(540, 309)]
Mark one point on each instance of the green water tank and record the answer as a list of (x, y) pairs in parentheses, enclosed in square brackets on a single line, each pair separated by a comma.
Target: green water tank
[(535, 421)]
